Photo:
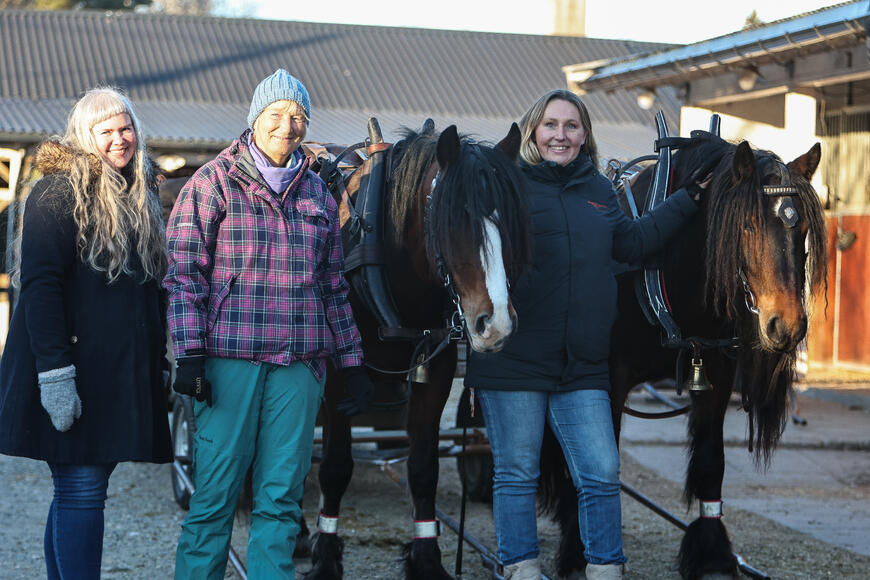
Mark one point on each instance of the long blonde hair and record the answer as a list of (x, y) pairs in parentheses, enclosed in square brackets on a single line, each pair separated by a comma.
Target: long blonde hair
[(532, 118), (110, 215)]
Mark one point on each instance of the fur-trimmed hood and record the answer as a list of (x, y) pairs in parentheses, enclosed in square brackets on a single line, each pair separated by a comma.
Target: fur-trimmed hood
[(55, 157)]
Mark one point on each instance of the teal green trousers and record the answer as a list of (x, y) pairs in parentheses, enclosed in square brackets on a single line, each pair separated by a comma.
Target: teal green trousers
[(263, 417)]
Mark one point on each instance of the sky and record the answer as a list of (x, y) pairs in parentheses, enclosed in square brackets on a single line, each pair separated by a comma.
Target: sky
[(674, 21)]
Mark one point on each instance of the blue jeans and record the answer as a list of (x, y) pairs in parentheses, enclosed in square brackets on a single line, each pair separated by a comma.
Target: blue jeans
[(74, 528), (583, 425)]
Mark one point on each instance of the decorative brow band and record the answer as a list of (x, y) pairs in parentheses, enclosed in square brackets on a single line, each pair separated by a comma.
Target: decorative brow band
[(779, 190)]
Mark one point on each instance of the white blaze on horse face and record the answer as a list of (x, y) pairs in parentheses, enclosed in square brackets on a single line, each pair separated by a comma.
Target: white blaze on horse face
[(500, 324)]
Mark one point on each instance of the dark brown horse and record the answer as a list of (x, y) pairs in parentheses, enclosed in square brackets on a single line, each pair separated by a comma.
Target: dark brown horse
[(742, 270), (454, 210)]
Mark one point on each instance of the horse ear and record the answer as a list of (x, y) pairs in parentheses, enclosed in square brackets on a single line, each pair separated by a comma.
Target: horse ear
[(510, 145), (428, 127), (744, 162), (448, 146), (807, 163)]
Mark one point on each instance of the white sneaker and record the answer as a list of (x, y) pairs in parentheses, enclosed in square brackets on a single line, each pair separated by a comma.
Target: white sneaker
[(525, 570), (604, 571)]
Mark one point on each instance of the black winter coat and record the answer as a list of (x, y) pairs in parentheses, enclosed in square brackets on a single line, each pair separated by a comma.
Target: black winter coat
[(114, 334), (566, 303)]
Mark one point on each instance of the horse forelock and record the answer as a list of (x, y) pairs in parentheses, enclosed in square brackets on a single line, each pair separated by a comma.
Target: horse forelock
[(482, 184)]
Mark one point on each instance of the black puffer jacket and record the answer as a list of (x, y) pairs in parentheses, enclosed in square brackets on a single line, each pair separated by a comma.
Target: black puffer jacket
[(566, 304), (67, 314)]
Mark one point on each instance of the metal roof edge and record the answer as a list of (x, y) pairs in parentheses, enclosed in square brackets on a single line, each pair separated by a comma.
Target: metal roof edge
[(748, 40)]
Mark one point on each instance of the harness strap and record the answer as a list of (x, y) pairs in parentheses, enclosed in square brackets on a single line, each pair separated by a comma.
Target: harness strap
[(670, 143), (377, 148), (435, 334), (371, 253)]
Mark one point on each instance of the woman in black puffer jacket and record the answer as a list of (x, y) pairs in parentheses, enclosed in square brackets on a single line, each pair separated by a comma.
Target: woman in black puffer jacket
[(554, 369)]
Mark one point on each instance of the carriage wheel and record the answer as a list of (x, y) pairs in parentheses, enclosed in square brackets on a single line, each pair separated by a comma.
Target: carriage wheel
[(475, 471), (183, 428)]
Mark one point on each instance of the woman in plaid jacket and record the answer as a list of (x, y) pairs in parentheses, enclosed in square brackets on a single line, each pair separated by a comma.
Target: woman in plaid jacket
[(257, 304)]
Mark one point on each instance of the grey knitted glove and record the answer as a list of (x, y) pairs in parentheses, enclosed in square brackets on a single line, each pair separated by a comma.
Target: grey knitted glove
[(59, 396)]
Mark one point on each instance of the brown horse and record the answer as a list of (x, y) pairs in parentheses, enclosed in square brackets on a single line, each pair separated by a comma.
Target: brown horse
[(737, 281), (456, 231)]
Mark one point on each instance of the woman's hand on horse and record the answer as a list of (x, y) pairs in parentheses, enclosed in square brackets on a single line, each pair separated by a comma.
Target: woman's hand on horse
[(360, 387), (701, 178)]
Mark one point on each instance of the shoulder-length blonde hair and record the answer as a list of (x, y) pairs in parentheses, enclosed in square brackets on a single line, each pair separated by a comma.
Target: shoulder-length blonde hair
[(113, 220), (532, 118)]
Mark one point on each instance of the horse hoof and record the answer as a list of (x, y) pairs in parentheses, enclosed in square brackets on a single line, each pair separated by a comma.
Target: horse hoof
[(422, 559), (706, 552), (326, 557)]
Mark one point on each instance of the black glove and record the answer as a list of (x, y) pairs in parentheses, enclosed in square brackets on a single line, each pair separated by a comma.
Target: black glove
[(701, 178), (360, 387), (190, 378)]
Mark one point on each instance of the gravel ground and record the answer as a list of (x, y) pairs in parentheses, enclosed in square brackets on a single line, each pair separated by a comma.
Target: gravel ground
[(142, 524)]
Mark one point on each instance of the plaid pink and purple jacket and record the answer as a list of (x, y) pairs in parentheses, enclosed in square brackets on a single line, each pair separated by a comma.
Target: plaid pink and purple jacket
[(257, 276)]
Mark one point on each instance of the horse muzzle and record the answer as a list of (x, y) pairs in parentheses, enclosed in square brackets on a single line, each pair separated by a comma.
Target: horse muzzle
[(780, 335), (488, 335)]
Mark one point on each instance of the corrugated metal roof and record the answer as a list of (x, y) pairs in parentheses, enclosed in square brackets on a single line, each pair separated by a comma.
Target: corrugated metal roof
[(192, 77), (804, 33)]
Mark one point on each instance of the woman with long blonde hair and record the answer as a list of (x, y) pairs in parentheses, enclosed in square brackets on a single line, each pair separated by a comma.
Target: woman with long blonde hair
[(81, 378)]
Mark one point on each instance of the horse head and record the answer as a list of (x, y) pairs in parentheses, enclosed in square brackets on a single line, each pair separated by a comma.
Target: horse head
[(765, 236), (478, 231)]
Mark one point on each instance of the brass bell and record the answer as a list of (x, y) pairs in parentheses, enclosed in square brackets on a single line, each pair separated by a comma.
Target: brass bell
[(420, 373), (698, 381)]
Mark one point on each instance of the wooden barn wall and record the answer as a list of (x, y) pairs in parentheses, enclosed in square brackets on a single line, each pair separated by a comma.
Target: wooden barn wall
[(854, 300), (840, 334)]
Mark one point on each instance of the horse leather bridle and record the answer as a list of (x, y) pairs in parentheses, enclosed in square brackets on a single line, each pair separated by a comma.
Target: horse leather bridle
[(786, 212)]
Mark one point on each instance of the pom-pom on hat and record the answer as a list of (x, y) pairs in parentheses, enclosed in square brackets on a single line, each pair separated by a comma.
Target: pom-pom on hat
[(279, 86)]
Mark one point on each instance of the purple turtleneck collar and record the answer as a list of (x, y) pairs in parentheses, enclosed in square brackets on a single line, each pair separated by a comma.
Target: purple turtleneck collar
[(278, 178)]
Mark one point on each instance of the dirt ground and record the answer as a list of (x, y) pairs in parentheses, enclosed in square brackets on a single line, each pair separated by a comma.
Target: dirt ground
[(142, 526)]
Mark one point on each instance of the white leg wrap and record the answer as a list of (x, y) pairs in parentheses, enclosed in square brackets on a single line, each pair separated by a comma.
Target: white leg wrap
[(426, 529), (327, 524), (711, 509)]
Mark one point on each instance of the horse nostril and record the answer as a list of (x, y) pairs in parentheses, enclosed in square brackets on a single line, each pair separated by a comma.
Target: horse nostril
[(480, 323), (777, 331)]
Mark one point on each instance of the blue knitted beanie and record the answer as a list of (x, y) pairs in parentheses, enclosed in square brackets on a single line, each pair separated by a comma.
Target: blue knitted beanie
[(279, 86)]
